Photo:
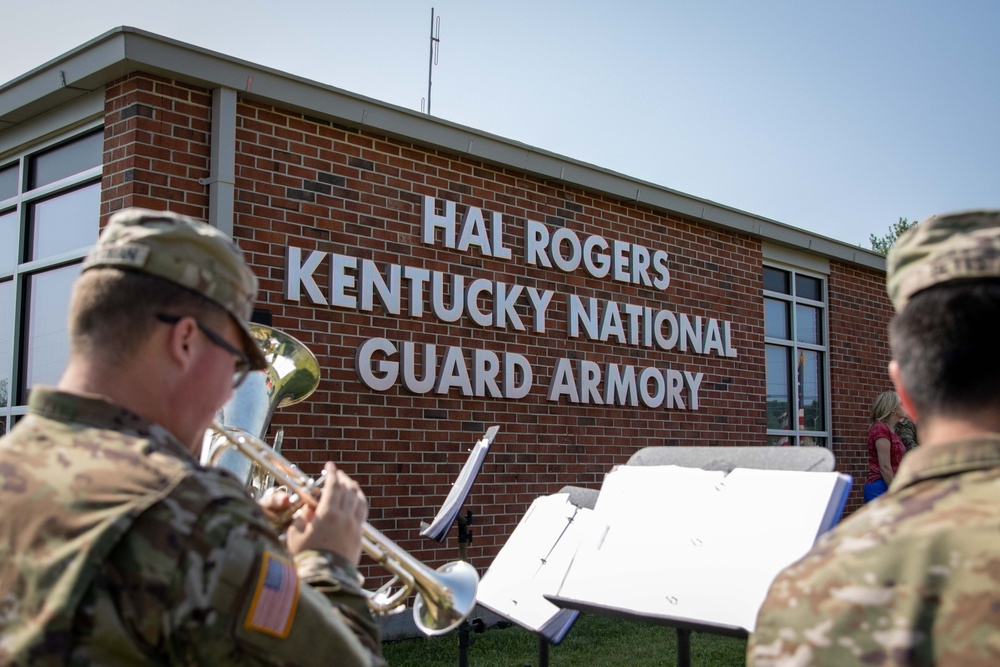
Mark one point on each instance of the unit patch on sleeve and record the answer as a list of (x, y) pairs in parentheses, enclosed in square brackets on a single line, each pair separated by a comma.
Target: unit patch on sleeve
[(274, 601)]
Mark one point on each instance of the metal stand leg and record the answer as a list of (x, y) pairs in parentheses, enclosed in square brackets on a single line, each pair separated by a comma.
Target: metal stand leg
[(464, 538), (463, 644), (683, 648), (543, 651)]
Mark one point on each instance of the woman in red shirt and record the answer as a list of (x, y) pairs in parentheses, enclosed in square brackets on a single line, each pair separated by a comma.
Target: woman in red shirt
[(885, 449)]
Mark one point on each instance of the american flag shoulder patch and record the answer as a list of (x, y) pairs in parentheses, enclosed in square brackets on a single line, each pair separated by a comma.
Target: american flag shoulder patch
[(273, 606)]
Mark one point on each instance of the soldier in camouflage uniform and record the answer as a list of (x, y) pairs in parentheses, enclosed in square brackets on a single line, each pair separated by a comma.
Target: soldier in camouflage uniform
[(907, 432), (116, 546), (914, 579)]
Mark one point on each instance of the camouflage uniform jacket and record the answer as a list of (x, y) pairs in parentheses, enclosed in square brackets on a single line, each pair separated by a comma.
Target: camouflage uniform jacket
[(117, 547), (913, 578), (907, 432)]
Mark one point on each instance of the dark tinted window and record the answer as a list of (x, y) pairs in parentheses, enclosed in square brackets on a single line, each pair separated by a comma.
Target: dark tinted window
[(8, 243), (66, 160), (6, 348), (8, 182), (776, 280), (808, 288)]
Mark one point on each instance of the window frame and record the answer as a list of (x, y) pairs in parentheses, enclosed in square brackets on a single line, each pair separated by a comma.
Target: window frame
[(794, 433), (20, 205)]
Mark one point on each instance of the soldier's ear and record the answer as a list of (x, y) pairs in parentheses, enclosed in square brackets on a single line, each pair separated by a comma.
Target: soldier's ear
[(182, 340), (904, 396)]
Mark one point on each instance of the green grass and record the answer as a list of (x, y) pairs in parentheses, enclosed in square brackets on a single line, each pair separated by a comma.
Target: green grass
[(594, 641)]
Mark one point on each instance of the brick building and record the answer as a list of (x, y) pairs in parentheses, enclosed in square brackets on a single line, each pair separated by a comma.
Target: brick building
[(446, 279)]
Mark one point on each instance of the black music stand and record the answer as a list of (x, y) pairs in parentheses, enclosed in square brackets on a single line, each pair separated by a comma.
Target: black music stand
[(451, 511), (725, 459)]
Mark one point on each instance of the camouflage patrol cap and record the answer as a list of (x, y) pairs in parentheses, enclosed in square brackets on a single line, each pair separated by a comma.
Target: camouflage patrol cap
[(942, 248), (184, 251)]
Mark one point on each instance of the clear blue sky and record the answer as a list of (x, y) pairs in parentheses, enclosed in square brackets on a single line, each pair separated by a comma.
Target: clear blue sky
[(836, 117)]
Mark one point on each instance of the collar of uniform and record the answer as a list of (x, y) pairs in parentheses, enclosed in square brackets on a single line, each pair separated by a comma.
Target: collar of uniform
[(927, 461), (95, 411)]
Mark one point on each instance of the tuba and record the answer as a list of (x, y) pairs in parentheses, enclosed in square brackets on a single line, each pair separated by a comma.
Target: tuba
[(292, 376), (444, 597)]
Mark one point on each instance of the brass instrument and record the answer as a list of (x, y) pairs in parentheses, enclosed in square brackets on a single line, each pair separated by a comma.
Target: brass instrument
[(444, 597), (292, 376)]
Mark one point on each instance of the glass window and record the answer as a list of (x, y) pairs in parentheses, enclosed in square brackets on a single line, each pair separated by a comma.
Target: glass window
[(776, 280), (810, 383), (8, 181), (8, 242), (44, 235), (6, 342), (797, 402), (779, 387), (807, 287), (808, 324), (803, 441), (47, 334), (64, 161), (66, 222), (776, 320)]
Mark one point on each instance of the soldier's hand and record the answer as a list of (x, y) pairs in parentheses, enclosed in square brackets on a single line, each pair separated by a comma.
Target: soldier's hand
[(276, 504), (335, 523)]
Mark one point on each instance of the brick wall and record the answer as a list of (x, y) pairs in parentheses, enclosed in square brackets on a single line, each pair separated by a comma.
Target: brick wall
[(314, 185), (157, 137), (859, 357)]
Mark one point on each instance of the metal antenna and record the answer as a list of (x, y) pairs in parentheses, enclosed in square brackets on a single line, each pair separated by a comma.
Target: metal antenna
[(435, 41)]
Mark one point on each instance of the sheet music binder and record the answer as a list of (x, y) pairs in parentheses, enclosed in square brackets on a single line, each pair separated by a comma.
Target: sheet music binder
[(439, 527), (697, 547), (532, 563)]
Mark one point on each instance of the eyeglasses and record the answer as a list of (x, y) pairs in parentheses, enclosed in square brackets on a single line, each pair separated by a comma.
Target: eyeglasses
[(242, 366)]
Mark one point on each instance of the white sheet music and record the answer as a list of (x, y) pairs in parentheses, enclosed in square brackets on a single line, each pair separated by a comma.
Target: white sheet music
[(439, 527), (532, 563), (696, 544)]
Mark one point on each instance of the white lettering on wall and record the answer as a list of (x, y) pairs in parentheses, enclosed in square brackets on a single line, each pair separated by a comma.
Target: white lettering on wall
[(586, 382), (379, 364), (594, 319), (361, 285), (472, 233), (299, 274), (425, 368), (626, 262)]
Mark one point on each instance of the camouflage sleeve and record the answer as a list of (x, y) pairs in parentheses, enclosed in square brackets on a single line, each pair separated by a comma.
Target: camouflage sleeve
[(339, 581), (213, 585), (241, 599), (907, 432)]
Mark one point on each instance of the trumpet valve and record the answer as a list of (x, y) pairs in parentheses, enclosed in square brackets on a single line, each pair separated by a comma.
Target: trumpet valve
[(386, 602)]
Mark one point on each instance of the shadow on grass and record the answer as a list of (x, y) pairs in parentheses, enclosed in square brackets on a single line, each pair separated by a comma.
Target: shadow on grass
[(594, 641)]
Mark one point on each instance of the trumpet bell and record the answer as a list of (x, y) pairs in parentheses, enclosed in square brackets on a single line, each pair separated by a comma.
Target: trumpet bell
[(443, 608)]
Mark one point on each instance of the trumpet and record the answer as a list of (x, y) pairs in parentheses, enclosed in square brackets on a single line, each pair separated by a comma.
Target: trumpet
[(444, 597)]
